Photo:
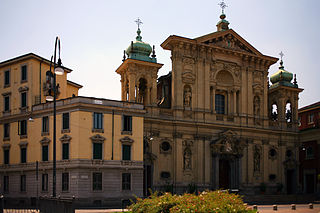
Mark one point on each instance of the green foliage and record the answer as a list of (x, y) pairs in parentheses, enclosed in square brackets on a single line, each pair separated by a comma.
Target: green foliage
[(208, 201)]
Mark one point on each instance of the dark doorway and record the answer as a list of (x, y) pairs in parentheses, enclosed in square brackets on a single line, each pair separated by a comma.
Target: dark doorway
[(290, 181), (310, 183), (147, 180), (224, 174)]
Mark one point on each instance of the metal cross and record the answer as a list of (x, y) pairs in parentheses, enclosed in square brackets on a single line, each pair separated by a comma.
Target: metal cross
[(139, 22), (222, 5), (281, 55)]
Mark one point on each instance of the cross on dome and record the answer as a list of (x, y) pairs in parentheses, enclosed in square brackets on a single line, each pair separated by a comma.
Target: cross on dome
[(222, 5), (138, 22)]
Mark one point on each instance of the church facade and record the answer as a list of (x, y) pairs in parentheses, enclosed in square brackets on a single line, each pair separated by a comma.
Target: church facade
[(214, 121)]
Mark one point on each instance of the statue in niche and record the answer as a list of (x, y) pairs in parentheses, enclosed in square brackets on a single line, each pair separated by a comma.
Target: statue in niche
[(187, 97), (187, 159), (256, 105), (256, 159)]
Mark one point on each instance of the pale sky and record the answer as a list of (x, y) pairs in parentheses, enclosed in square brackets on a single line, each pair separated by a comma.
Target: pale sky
[(94, 34)]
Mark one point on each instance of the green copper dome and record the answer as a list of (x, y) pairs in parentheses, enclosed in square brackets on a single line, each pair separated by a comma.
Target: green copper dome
[(282, 77), (140, 50)]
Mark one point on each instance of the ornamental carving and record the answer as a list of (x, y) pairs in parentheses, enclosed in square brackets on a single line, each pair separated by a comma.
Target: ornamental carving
[(45, 141), (65, 138), (187, 155), (188, 77), (126, 139), (98, 138), (257, 158), (227, 143)]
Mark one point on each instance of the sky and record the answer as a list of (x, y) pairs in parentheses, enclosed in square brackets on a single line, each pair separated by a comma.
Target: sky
[(94, 34)]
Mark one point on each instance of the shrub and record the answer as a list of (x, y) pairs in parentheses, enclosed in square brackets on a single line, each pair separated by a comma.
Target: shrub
[(214, 201)]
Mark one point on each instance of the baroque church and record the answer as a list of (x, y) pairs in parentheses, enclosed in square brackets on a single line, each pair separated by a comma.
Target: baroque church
[(214, 121)]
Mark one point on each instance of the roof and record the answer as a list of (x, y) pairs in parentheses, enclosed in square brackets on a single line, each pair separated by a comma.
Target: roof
[(310, 107), (74, 84), (29, 56)]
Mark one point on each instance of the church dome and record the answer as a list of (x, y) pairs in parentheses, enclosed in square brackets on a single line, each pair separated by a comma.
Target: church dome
[(282, 77), (140, 50)]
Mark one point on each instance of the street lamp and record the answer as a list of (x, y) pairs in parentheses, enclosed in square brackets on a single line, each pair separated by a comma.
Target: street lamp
[(58, 70)]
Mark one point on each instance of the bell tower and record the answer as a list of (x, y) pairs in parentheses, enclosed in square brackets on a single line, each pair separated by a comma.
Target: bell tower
[(283, 99), (139, 72)]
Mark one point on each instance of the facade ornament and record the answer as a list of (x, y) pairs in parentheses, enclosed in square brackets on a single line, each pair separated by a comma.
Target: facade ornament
[(256, 105), (187, 155), (256, 158), (187, 96)]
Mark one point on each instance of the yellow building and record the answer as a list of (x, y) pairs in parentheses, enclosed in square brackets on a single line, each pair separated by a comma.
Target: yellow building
[(99, 142)]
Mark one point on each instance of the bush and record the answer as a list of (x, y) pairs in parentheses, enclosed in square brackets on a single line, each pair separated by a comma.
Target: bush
[(215, 201)]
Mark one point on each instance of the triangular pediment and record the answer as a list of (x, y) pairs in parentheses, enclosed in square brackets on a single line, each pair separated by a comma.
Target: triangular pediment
[(228, 39)]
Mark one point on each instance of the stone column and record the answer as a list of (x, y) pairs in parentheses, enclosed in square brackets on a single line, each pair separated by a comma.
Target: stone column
[(229, 102), (214, 99), (234, 101), (131, 87)]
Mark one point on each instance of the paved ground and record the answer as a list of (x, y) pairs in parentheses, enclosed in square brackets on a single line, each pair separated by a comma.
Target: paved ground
[(300, 208)]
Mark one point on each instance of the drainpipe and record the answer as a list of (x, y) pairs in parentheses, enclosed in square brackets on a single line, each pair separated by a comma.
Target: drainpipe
[(112, 134)]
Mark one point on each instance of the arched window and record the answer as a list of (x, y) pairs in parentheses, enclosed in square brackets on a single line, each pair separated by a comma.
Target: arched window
[(220, 104), (274, 112), (142, 91), (288, 112)]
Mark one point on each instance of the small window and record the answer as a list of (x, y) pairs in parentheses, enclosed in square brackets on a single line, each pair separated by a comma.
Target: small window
[(45, 124), (7, 78), (23, 99), (126, 181), (44, 186), (45, 153), (165, 175), (65, 121), (127, 123), (97, 120), (272, 152), (165, 146), (272, 177), (309, 153), (23, 153), (220, 104), (5, 184), (126, 152), (23, 183), (65, 181), (289, 153), (96, 181), (24, 73), (299, 121), (97, 151), (6, 155), (23, 127), (65, 151), (310, 118), (7, 103), (6, 130)]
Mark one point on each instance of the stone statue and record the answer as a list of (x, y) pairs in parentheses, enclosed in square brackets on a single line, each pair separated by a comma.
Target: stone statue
[(256, 105), (187, 159), (187, 97), (256, 159)]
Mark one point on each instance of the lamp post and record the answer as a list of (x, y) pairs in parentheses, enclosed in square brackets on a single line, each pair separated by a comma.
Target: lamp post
[(58, 70)]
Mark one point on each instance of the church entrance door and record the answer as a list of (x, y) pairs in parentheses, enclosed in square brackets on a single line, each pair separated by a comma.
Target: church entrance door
[(224, 174)]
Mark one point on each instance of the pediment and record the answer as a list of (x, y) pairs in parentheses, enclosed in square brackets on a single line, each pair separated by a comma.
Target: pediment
[(228, 39), (45, 140), (188, 77), (126, 139), (97, 138), (65, 138)]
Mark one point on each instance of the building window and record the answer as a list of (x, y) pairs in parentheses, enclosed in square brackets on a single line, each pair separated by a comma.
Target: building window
[(23, 154), (6, 130), (6, 155), (97, 151), (24, 73), (44, 186), (45, 124), (309, 153), (65, 121), (23, 183), (23, 99), (96, 181), (7, 78), (45, 152), (127, 123), (5, 184), (310, 118), (7, 103), (65, 151), (97, 120), (220, 104), (23, 127), (126, 181), (65, 181), (126, 152)]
